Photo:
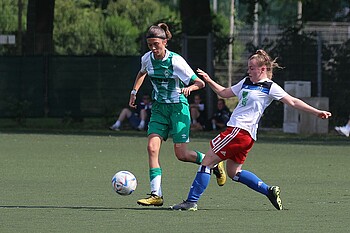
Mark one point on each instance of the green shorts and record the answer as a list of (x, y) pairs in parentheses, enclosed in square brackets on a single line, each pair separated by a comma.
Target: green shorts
[(173, 119)]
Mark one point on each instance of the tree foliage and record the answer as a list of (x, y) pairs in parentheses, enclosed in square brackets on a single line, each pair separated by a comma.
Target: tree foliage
[(90, 27), (9, 22), (141, 13), (8, 16), (76, 28)]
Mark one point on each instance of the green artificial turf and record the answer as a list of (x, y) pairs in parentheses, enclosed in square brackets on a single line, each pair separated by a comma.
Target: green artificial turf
[(62, 183)]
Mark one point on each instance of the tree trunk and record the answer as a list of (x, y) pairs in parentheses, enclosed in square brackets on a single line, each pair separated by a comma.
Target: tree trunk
[(40, 16), (196, 18)]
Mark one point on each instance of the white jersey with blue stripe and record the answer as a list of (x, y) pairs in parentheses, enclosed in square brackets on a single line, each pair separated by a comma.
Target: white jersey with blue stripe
[(168, 76), (253, 98)]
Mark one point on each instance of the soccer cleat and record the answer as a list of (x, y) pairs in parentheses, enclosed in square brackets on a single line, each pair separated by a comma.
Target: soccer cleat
[(151, 200), (274, 197), (343, 131), (115, 128), (219, 172), (185, 205)]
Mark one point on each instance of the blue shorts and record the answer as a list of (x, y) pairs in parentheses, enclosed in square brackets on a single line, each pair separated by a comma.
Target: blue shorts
[(134, 120)]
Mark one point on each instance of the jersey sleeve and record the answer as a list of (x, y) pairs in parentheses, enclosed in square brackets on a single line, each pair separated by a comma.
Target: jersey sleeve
[(237, 87), (144, 60), (277, 92), (183, 70)]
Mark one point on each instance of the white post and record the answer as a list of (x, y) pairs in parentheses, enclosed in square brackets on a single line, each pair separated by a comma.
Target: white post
[(300, 15), (19, 33), (319, 65), (215, 6), (256, 24)]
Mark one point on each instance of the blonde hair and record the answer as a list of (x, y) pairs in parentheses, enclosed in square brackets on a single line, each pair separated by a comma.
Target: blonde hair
[(160, 30), (262, 59)]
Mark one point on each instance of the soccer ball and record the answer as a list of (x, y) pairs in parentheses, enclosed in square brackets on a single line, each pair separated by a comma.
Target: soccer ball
[(124, 183)]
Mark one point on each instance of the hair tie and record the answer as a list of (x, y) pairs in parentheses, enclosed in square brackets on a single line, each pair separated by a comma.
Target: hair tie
[(154, 36)]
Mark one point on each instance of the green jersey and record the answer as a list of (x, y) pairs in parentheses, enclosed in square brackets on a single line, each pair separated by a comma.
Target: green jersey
[(168, 76)]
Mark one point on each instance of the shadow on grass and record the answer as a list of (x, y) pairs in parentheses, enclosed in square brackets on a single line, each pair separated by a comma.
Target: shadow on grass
[(101, 208), (90, 208)]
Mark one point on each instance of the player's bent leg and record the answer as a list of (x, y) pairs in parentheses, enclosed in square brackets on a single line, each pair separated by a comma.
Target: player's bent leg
[(185, 155), (252, 181)]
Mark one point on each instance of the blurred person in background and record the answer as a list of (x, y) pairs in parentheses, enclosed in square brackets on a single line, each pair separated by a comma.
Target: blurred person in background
[(138, 118), (197, 109), (221, 116), (344, 130)]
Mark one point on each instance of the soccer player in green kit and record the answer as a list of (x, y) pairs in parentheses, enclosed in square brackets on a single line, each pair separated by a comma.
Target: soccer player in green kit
[(172, 80)]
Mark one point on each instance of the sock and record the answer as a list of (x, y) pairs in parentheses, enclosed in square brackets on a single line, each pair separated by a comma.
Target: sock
[(252, 181), (155, 176), (200, 157), (117, 124), (142, 124), (200, 183)]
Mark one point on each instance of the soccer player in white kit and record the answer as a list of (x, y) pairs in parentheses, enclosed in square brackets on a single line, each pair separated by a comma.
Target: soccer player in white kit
[(255, 93)]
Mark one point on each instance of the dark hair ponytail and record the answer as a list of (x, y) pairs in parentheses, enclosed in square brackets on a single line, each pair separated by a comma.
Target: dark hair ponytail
[(165, 27), (159, 31)]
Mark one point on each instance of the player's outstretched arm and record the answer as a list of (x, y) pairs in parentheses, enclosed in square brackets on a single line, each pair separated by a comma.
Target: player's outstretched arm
[(301, 105), (217, 88)]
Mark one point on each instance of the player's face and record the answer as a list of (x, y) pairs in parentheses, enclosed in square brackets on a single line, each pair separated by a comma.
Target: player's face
[(157, 46), (255, 71), (197, 99), (146, 99), (220, 104)]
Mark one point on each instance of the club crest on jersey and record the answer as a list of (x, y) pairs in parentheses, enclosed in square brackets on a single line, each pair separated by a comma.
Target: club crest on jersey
[(245, 98), (166, 73)]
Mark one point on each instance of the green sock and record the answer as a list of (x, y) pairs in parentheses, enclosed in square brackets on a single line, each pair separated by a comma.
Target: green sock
[(155, 176), (200, 157), (153, 172)]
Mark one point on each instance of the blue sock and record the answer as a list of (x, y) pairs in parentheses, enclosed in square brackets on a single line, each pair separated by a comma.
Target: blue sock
[(252, 181), (200, 183)]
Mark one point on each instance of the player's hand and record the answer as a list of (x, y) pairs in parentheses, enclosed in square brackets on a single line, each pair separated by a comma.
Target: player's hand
[(186, 91), (324, 115), (204, 75), (132, 101)]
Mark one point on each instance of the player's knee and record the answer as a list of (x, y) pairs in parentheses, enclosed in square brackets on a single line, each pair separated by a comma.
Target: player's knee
[(152, 149)]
